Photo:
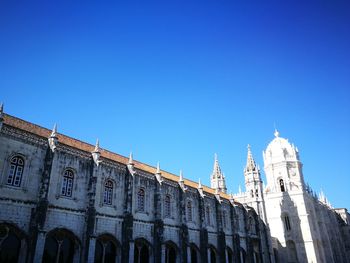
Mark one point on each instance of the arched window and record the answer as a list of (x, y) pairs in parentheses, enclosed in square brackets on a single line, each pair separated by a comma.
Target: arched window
[(167, 210), (252, 193), (256, 193), (67, 183), (287, 223), (16, 171), (141, 200), (207, 215), (282, 185), (108, 192), (189, 211)]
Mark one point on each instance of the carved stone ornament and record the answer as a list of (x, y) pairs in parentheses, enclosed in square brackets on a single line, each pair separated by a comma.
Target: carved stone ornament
[(53, 140), (182, 182), (217, 195), (131, 165), (158, 175), (200, 189), (96, 154)]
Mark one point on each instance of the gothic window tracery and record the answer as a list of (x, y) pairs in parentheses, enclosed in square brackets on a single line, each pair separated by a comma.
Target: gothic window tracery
[(189, 211), (67, 183), (108, 192), (167, 210), (141, 200), (16, 171)]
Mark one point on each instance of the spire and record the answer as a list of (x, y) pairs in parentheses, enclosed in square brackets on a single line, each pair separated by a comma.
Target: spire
[(276, 133), (217, 177), (1, 109), (216, 169), (251, 165)]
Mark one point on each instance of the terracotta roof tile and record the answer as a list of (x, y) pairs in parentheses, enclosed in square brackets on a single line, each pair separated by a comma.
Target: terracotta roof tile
[(43, 132)]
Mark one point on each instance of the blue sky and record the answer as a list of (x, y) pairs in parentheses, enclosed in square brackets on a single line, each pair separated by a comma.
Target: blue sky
[(177, 82)]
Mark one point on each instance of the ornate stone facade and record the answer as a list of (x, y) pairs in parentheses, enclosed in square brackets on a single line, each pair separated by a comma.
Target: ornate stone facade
[(303, 228), (62, 200)]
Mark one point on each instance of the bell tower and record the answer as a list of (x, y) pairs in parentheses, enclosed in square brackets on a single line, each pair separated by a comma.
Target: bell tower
[(254, 186), (282, 166)]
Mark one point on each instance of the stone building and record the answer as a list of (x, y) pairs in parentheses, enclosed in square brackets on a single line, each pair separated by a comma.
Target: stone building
[(303, 228), (63, 200)]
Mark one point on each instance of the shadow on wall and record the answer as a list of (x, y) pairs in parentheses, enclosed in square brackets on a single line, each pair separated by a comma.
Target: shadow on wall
[(294, 249)]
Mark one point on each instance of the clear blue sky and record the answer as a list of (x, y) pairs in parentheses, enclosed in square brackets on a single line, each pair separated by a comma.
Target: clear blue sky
[(178, 81)]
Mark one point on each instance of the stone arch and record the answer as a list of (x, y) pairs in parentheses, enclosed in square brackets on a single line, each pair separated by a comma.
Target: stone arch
[(13, 243), (107, 249), (242, 255), (142, 251), (61, 245), (194, 253), (212, 254), (171, 254), (229, 254)]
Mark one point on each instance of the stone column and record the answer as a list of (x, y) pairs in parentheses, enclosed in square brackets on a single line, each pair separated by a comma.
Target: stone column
[(188, 254), (92, 247), (163, 259), (131, 252), (208, 255), (40, 245)]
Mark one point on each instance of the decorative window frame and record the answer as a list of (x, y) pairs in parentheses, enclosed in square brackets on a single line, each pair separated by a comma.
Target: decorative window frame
[(170, 215), (25, 174), (189, 200), (60, 182), (114, 193), (145, 199)]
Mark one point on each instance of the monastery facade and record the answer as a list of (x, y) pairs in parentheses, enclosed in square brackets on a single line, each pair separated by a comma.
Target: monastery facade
[(63, 200)]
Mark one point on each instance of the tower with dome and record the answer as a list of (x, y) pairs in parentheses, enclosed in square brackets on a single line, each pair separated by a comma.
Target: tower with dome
[(303, 228)]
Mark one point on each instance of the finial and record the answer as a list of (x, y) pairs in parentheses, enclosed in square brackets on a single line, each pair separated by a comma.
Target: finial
[(159, 175), (215, 157), (182, 182), (158, 168), (1, 108), (199, 184), (53, 139), (181, 179), (200, 188), (54, 131), (276, 133), (96, 154), (130, 159), (97, 146)]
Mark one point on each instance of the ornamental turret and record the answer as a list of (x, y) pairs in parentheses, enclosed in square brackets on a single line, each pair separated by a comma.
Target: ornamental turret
[(217, 177)]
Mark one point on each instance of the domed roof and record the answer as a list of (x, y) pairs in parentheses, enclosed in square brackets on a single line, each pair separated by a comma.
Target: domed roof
[(280, 148)]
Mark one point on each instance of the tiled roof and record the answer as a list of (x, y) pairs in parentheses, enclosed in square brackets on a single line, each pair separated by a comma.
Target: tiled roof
[(74, 143)]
